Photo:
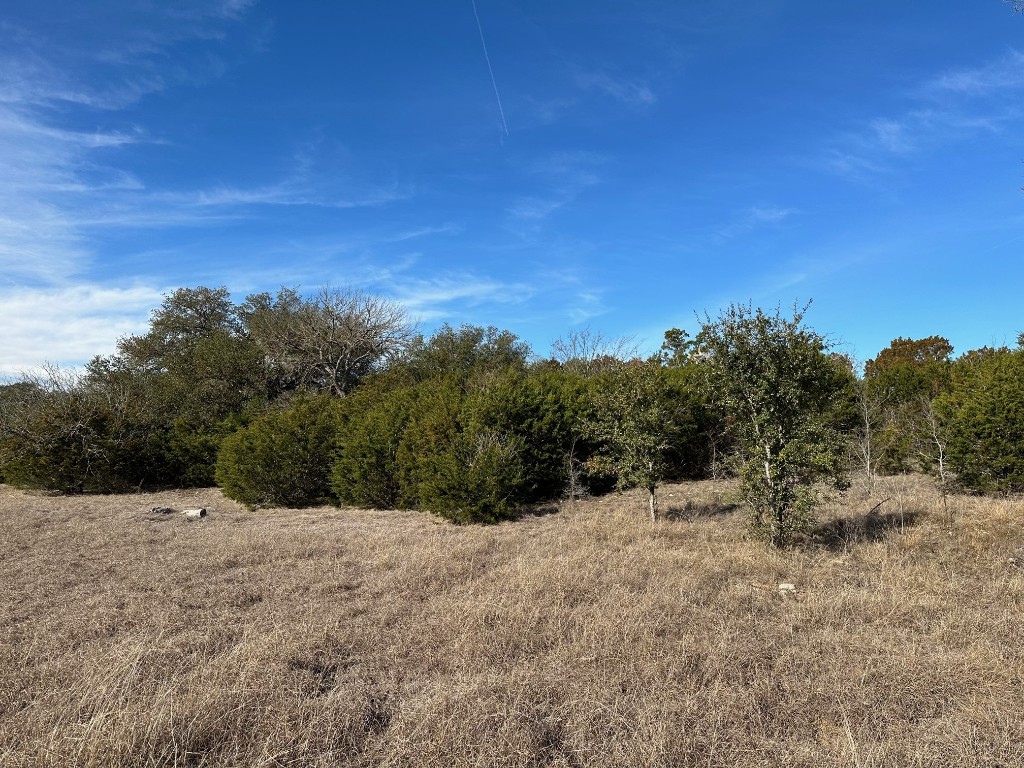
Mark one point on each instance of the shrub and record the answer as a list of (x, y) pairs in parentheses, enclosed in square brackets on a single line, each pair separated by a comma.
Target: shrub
[(477, 478), (542, 410), (59, 433), (283, 458), (453, 462), (366, 470), (984, 419)]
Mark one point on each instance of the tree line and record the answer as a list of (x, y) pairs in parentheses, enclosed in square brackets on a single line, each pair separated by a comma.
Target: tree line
[(295, 400)]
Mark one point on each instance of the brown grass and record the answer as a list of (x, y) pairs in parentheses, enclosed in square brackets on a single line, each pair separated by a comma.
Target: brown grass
[(587, 637)]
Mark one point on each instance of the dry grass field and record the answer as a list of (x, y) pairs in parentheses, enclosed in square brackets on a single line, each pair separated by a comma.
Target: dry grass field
[(584, 637)]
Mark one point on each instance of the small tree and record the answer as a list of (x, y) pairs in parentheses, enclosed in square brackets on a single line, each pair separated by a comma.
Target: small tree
[(675, 350), (631, 418), (773, 377)]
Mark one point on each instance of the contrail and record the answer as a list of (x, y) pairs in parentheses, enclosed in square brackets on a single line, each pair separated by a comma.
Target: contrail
[(490, 69)]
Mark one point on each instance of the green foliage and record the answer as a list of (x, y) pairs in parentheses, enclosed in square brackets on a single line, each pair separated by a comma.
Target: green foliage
[(65, 434), (451, 462), (51, 436), (477, 477), (465, 352), (696, 432), (774, 378), (631, 419), (675, 350), (913, 352), (470, 449), (182, 384), (899, 385), (366, 471), (460, 429), (984, 419), (282, 458), (542, 410), (462, 423), (192, 445), (184, 318)]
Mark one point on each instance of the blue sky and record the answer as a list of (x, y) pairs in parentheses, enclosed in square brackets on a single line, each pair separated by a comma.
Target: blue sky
[(661, 159)]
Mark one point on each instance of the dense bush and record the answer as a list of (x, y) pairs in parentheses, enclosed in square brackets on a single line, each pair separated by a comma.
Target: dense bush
[(452, 463), (366, 471), (984, 421), (471, 447), (60, 432), (284, 457), (543, 411), (463, 429), (478, 477)]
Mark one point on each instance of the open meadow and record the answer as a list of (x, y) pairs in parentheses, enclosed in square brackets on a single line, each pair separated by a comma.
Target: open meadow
[(585, 636)]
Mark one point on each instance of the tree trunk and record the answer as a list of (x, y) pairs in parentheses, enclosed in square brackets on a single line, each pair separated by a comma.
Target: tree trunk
[(652, 503)]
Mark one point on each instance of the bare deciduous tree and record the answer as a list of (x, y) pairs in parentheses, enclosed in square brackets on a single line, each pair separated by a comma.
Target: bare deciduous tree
[(330, 341), (931, 441), (588, 351), (872, 413)]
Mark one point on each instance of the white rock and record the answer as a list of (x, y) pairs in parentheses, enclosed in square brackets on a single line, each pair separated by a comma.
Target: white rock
[(194, 514)]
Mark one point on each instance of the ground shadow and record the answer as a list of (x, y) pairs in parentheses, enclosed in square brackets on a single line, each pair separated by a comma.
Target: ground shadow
[(841, 533), (698, 510), (537, 509)]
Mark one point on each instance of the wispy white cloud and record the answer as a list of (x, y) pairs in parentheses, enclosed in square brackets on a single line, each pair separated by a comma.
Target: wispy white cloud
[(755, 217), (539, 208), (287, 193), (69, 325), (563, 177), (953, 106), (544, 111), (769, 215), (889, 134), (448, 296), (45, 169), (629, 91), (55, 182), (1006, 72), (59, 188), (232, 9), (412, 234), (584, 305)]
